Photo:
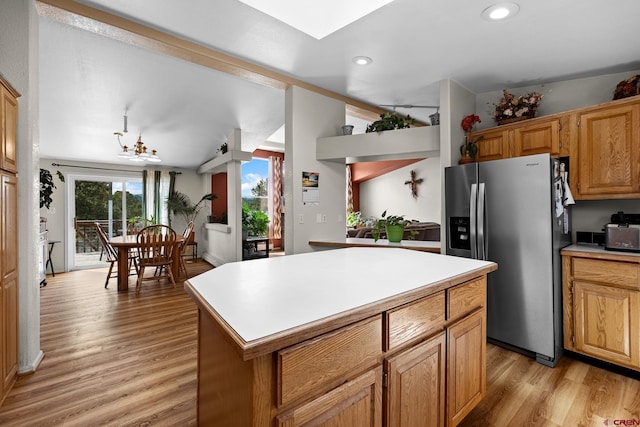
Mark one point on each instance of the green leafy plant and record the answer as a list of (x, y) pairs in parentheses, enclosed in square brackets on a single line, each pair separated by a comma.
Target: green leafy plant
[(179, 204), (354, 219), (255, 222), (390, 220), (223, 148), (47, 185), (390, 121)]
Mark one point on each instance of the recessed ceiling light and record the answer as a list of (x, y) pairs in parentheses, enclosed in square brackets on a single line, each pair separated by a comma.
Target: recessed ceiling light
[(362, 60), (500, 11), (317, 18)]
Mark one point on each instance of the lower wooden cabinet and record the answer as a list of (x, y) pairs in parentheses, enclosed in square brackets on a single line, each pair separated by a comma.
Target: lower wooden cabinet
[(355, 403), (415, 385), (466, 366), (421, 363), (9, 282), (601, 295)]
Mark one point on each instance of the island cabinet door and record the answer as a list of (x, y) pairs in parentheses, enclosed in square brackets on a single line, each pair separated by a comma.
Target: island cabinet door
[(356, 403), (414, 393), (466, 366)]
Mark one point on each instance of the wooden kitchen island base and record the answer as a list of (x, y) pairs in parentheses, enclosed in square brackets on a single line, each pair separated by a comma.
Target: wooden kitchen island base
[(341, 349)]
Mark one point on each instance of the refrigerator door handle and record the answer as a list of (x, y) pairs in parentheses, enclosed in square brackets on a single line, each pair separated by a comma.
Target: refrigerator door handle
[(473, 199), (482, 254)]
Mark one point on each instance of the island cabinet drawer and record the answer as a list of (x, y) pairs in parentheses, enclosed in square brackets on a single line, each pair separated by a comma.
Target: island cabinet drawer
[(324, 362), (606, 271), (465, 298), (410, 321)]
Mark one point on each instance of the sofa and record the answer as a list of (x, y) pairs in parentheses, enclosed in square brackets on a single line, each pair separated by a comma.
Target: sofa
[(420, 230)]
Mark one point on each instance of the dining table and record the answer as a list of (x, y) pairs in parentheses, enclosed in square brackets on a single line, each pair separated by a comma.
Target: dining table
[(127, 242)]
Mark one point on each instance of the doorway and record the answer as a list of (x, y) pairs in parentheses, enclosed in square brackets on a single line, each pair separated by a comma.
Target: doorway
[(113, 202)]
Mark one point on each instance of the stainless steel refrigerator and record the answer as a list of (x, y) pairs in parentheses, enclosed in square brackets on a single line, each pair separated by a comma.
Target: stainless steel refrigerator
[(511, 212)]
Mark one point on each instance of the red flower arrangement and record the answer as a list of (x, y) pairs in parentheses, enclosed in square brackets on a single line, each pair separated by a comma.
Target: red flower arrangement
[(469, 149), (469, 121)]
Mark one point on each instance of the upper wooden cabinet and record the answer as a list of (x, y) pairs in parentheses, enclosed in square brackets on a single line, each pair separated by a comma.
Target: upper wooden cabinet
[(608, 153), (603, 142), (9, 117), (522, 139)]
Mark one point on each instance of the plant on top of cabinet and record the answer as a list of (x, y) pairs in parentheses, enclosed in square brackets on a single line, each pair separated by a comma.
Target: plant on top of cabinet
[(512, 109), (469, 148), (390, 121)]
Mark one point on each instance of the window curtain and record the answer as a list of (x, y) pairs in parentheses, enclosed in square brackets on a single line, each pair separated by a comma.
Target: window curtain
[(275, 196), (172, 187), (349, 190), (155, 191)]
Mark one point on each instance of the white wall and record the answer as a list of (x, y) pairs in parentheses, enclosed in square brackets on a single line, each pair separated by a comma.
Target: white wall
[(562, 96), (224, 241), (308, 116), (388, 192), (558, 97), (19, 65)]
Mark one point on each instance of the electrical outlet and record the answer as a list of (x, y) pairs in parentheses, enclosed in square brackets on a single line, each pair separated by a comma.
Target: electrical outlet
[(301, 219), (324, 218)]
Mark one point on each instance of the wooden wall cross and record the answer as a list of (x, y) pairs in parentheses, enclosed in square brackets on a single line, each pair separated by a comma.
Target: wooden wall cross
[(413, 182)]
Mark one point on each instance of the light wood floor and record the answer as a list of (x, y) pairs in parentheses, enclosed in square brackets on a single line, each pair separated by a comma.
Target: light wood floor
[(127, 359)]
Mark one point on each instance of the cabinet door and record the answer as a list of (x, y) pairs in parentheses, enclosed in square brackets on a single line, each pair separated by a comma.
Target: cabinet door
[(609, 153), (9, 284), (494, 145), (466, 366), (9, 118), (415, 392), (607, 323), (356, 403), (537, 138)]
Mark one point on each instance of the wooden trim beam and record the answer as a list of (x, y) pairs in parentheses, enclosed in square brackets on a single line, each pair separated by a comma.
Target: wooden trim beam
[(106, 24)]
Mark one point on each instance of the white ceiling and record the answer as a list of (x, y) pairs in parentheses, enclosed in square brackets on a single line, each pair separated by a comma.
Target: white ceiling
[(183, 110)]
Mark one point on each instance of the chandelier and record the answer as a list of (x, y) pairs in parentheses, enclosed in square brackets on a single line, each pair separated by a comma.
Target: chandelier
[(138, 153)]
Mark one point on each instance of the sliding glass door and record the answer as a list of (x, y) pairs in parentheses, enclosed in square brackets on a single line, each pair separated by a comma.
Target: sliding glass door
[(111, 202)]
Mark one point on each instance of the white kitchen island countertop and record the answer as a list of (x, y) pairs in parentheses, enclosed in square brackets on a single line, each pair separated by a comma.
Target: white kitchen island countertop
[(259, 300)]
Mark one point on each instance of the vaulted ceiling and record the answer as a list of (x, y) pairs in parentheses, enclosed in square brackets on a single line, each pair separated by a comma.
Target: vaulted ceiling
[(90, 74)]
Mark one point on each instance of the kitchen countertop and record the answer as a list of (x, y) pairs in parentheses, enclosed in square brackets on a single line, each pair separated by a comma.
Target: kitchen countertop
[(598, 250), (261, 300), (349, 242)]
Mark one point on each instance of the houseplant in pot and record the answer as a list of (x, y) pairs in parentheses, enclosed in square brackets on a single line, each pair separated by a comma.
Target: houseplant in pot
[(390, 121), (469, 148), (179, 203), (393, 225), (254, 222)]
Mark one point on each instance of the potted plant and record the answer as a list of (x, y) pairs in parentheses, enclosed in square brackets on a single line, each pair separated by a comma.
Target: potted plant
[(393, 225), (390, 121), (354, 219), (47, 186), (469, 148), (254, 222), (179, 204)]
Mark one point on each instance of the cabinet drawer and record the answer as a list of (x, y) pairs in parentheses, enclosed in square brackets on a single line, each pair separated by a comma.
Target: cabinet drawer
[(409, 321), (467, 297), (611, 272), (323, 362)]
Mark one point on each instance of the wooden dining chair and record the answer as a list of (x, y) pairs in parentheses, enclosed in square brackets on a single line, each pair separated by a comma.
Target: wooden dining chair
[(186, 234), (155, 249), (112, 255)]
